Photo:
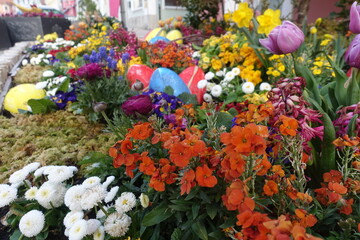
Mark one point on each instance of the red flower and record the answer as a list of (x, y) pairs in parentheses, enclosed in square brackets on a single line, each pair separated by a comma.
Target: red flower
[(204, 176)]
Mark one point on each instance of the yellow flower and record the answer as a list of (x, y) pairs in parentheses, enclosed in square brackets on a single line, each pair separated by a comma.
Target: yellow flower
[(313, 30), (243, 15), (325, 42), (319, 63), (281, 68), (316, 71), (206, 59), (268, 21), (120, 66), (216, 64), (71, 64), (275, 73), (227, 17), (103, 28), (318, 21)]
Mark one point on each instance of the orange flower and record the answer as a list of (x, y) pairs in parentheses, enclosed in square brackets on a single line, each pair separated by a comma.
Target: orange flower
[(337, 187), (180, 154), (304, 197), (147, 165), (277, 169), (114, 149), (141, 131), (289, 126), (306, 219), (346, 141), (187, 182), (347, 208), (270, 188), (204, 176), (156, 183), (126, 145), (332, 176)]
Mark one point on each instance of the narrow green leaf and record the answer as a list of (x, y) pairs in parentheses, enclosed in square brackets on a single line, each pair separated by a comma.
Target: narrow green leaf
[(157, 215), (211, 210), (327, 160), (41, 106), (176, 235), (352, 126), (16, 235), (94, 157), (199, 229), (195, 210), (64, 85)]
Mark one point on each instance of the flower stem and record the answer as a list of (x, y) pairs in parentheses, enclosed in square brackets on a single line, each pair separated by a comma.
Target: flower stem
[(103, 209), (111, 126)]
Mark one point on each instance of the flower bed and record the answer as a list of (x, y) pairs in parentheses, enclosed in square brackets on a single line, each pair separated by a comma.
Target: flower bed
[(253, 135)]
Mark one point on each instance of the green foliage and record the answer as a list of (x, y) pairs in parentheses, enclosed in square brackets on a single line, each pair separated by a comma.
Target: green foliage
[(41, 106), (198, 11)]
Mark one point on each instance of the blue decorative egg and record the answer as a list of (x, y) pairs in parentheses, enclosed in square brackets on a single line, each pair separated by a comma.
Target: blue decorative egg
[(163, 77), (158, 38)]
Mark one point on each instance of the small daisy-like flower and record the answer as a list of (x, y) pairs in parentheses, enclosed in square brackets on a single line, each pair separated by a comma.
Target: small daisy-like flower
[(32, 223), (207, 97), (265, 86), (229, 76), (209, 75), (78, 230), (219, 73), (91, 182), (72, 217), (92, 196), (125, 202), (31, 193), (109, 180), (144, 200), (117, 224), (73, 197), (32, 167), (18, 176), (202, 83), (48, 73), (216, 91), (7, 194), (92, 226), (99, 234), (236, 71), (111, 194), (248, 87)]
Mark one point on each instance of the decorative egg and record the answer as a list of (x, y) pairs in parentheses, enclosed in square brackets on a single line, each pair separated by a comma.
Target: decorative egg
[(158, 38), (175, 34), (163, 77), (139, 72), (18, 96), (191, 76), (155, 32)]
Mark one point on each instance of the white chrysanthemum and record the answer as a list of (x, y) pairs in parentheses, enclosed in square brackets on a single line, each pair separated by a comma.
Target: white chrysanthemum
[(31, 193), (117, 224), (144, 200), (73, 197), (48, 73), (99, 234), (66, 232), (32, 167), (40, 56), (207, 97), (125, 202), (51, 92), (202, 83), (19, 184), (248, 87), (109, 180), (40, 171), (196, 54), (265, 86), (216, 91), (46, 61), (91, 182), (32, 223), (33, 61), (209, 75), (59, 173), (92, 226), (92, 196), (78, 230), (209, 86), (100, 212), (236, 71), (229, 76), (24, 62), (48, 56), (62, 79), (111, 194), (72, 217), (7, 194), (219, 73), (18, 176), (51, 195)]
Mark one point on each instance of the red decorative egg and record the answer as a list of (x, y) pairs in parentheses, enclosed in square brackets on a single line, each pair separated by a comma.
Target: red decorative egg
[(139, 72), (191, 76)]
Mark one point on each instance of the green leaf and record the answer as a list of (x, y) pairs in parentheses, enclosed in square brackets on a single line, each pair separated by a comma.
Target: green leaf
[(188, 98), (180, 208), (195, 210), (204, 197), (41, 106), (176, 235), (42, 235), (199, 229), (16, 235), (169, 90), (229, 222), (95, 157), (341, 78), (231, 98), (223, 119), (328, 153), (352, 126), (157, 215), (64, 85), (311, 82), (211, 210)]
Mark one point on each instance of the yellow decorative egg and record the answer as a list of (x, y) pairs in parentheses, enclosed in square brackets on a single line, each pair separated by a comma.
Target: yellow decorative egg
[(154, 33), (175, 34), (18, 96)]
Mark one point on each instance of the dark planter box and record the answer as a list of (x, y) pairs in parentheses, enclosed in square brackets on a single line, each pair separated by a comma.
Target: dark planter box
[(5, 41), (28, 28)]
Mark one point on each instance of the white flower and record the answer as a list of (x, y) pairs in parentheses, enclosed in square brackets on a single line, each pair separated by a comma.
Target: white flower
[(37, 61), (209, 75), (59, 173), (18, 176), (46, 61), (229, 76), (66, 232), (40, 56), (236, 71), (31, 193), (248, 87), (219, 73), (202, 83), (209, 86), (32, 223), (92, 196), (216, 91), (19, 184), (117, 224), (72, 217), (62, 79), (52, 92), (111, 194), (92, 226), (196, 54), (7, 194), (32, 167), (144, 200), (78, 230), (125, 202), (91, 182), (207, 97), (33, 61), (265, 86), (48, 56), (100, 213), (51, 195), (109, 180), (24, 62), (73, 197), (99, 234), (48, 73)]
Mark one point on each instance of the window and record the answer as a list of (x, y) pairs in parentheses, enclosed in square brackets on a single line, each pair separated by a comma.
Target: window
[(137, 4), (172, 3)]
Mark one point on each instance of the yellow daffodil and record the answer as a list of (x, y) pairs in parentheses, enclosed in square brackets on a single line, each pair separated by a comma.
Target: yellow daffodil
[(243, 15), (268, 21), (313, 30)]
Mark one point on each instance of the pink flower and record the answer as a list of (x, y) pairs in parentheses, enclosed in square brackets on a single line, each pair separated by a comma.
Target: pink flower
[(140, 104)]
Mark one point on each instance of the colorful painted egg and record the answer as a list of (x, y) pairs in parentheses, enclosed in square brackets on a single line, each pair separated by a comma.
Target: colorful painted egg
[(163, 77), (158, 38), (175, 34), (155, 32), (191, 76), (139, 72), (18, 96)]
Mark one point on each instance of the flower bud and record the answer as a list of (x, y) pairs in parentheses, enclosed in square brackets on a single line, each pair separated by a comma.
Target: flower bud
[(353, 52), (354, 25), (283, 39), (144, 200), (140, 104), (137, 86), (99, 106)]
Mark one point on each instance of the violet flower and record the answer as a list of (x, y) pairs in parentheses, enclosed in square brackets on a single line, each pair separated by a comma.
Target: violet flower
[(346, 114), (140, 104), (354, 25), (352, 55), (284, 39), (89, 71)]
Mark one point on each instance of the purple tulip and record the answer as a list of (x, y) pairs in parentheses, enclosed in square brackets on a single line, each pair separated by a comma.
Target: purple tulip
[(283, 39), (141, 104), (354, 25), (352, 55)]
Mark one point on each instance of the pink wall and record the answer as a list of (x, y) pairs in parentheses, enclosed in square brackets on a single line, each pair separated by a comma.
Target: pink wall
[(321, 8)]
